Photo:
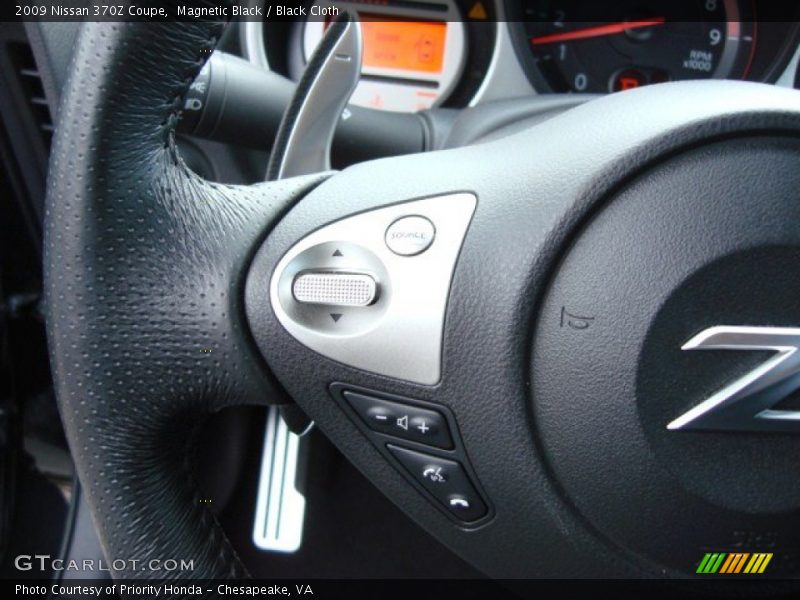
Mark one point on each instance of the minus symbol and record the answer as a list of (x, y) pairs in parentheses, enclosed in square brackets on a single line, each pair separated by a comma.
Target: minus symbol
[(381, 417)]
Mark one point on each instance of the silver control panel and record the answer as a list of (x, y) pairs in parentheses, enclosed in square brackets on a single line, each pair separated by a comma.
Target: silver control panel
[(371, 290)]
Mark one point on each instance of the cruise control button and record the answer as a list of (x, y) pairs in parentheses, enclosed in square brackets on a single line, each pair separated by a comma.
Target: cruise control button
[(409, 236), (401, 420), (445, 479)]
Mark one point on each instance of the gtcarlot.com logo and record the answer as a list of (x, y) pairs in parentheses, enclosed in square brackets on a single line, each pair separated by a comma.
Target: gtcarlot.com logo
[(44, 562), (734, 563)]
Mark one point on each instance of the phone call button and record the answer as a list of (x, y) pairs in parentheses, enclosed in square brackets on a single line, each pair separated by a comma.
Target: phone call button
[(445, 479)]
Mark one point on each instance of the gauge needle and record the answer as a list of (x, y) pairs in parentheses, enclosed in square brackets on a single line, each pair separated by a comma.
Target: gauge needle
[(597, 31)]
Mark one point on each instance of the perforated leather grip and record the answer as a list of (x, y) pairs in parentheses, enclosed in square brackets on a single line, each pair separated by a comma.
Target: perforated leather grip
[(143, 269)]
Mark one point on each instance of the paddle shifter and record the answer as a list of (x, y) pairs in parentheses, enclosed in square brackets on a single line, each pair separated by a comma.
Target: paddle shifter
[(302, 146)]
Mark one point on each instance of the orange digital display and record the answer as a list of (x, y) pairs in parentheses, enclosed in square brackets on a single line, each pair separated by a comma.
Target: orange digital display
[(403, 45)]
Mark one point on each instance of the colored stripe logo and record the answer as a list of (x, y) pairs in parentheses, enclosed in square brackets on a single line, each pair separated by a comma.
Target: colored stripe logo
[(734, 563)]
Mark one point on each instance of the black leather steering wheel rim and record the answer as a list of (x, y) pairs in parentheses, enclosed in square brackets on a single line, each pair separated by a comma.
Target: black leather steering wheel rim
[(146, 336)]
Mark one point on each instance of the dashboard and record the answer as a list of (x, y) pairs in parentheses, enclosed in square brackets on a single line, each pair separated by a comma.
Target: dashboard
[(457, 53), (412, 58)]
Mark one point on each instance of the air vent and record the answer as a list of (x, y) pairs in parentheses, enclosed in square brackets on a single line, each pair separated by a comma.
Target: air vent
[(31, 83)]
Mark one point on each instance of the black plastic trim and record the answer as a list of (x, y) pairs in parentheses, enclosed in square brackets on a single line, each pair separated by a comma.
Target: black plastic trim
[(380, 440)]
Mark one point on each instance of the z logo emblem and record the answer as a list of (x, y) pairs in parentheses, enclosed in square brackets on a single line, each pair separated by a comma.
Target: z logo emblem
[(746, 404)]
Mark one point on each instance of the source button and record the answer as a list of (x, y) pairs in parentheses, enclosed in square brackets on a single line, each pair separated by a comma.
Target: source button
[(409, 236)]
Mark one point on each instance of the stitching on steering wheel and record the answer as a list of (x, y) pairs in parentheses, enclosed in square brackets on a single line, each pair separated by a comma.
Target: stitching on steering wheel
[(170, 120)]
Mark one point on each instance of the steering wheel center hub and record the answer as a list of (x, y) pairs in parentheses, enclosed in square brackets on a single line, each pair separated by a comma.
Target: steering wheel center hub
[(709, 238)]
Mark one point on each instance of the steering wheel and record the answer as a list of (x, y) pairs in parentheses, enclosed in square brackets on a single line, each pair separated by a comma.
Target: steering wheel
[(492, 334)]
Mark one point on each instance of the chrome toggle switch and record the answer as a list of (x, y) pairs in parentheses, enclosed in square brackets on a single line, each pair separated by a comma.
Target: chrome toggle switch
[(334, 288)]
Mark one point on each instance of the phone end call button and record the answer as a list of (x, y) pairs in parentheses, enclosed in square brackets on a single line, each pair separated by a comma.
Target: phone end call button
[(445, 479)]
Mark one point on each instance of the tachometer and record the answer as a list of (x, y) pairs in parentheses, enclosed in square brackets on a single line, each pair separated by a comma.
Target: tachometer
[(633, 42)]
